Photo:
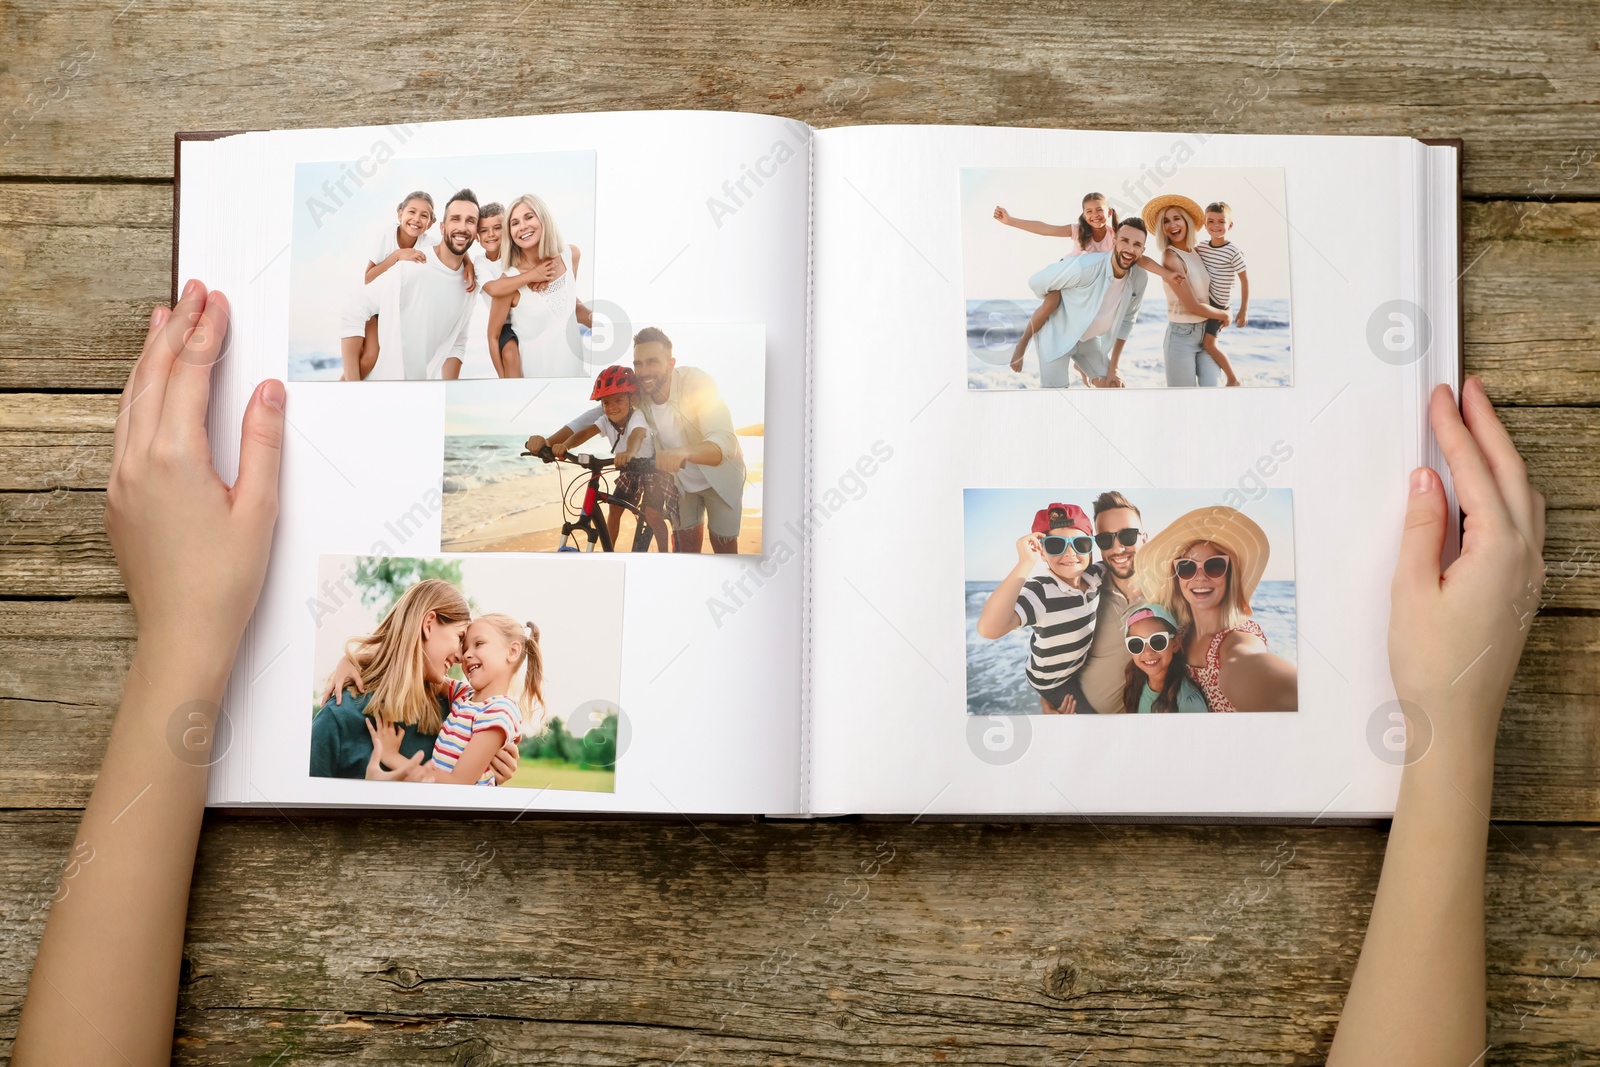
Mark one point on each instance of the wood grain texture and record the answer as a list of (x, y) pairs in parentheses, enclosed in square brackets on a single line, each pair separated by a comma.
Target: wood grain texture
[(1516, 83), (313, 940), (1548, 758), (641, 943), (1532, 282)]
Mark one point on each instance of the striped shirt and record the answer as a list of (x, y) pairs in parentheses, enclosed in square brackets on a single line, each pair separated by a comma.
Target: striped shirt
[(1222, 263), (466, 718), (1063, 625)]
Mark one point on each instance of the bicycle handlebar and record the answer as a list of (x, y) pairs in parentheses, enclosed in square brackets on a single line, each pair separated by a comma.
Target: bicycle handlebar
[(591, 462)]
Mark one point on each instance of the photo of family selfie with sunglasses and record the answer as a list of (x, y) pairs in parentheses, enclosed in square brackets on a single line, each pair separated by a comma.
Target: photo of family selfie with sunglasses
[(1151, 601)]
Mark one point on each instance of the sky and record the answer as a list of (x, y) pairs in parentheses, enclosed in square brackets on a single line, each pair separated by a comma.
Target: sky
[(578, 610), (997, 259), (995, 518), (733, 354), (326, 261)]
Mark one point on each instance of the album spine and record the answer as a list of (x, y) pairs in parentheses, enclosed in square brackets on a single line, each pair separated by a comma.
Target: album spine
[(807, 546)]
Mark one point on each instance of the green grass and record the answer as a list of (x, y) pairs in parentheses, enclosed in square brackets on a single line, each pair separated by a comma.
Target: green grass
[(558, 774)]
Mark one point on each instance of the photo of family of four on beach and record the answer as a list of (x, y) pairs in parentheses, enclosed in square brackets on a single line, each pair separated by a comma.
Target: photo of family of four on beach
[(414, 681), (1152, 601), (403, 274), (662, 452), (1056, 272)]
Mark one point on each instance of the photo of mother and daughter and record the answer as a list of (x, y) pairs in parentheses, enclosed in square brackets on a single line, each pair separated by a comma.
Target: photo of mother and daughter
[(1162, 622), (438, 693)]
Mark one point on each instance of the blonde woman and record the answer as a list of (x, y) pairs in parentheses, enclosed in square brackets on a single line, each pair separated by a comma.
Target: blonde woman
[(1174, 221), (399, 677), (538, 290), (1203, 569)]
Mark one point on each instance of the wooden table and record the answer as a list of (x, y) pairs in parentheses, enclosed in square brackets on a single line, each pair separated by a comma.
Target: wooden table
[(636, 942)]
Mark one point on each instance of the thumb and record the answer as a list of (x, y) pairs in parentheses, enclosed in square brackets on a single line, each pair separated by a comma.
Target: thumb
[(260, 448), (1423, 538)]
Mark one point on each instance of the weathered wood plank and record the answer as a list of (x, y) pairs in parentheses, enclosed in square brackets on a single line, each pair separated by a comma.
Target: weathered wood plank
[(1532, 285), (64, 662), (1518, 82), (627, 943)]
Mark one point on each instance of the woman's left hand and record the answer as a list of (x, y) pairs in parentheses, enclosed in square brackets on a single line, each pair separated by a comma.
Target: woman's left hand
[(192, 550)]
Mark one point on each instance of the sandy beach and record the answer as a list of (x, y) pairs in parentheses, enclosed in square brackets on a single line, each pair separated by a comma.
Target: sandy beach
[(523, 513)]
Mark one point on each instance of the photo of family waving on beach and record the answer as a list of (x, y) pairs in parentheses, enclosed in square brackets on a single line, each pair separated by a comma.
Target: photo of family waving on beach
[(485, 672), (397, 272), (1057, 265), (1134, 601), (662, 452)]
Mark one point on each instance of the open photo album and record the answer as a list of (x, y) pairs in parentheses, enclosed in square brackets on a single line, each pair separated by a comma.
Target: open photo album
[(1027, 473)]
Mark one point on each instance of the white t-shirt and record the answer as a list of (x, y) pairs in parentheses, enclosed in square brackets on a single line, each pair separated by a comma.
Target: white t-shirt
[(423, 313), (671, 434), (389, 241), (486, 271), (1107, 314), (596, 416)]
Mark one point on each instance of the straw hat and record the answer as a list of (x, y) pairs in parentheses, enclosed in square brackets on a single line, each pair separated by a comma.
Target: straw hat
[(1228, 528), (1151, 212)]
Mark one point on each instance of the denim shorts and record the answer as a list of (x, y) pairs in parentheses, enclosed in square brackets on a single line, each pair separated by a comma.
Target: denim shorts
[(1187, 362)]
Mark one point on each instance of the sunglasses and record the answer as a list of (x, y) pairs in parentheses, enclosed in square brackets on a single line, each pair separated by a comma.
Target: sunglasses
[(1123, 537), (1157, 643), (1215, 567), (1055, 544)]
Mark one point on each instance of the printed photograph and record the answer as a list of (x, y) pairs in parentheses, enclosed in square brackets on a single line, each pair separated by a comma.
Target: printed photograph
[(1136, 601), (1113, 277), (480, 671), (449, 267), (661, 452)]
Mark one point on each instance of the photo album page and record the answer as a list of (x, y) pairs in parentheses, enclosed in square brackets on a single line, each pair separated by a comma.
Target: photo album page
[(1109, 458), (546, 425)]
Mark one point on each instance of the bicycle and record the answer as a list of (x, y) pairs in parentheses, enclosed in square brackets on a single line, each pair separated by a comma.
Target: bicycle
[(588, 519)]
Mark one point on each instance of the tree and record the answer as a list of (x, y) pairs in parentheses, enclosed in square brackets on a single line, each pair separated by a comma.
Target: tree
[(384, 579)]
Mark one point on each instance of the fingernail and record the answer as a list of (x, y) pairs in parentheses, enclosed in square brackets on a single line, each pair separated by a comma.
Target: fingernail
[(1421, 480), (159, 316), (190, 289), (272, 393)]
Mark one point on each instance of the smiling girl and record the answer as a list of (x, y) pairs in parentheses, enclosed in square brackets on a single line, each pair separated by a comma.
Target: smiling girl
[(484, 716), (1158, 674)]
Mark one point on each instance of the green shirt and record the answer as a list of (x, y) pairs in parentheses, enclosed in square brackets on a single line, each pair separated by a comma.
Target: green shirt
[(1190, 698), (341, 746)]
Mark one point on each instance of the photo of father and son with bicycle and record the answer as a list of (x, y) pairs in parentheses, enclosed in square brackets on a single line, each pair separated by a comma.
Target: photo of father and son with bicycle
[(1144, 601), (1057, 268)]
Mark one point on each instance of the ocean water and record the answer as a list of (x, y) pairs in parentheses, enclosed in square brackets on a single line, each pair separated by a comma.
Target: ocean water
[(1259, 351), (997, 684), (476, 460)]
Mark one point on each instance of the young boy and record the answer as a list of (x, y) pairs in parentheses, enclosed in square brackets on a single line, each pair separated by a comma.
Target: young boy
[(625, 429), (484, 260), (1060, 604), (1223, 260)]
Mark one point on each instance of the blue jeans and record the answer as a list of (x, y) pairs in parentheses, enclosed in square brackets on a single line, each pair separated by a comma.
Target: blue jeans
[(1187, 361)]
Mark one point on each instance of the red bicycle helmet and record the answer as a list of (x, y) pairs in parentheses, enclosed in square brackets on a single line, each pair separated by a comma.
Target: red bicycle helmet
[(613, 380)]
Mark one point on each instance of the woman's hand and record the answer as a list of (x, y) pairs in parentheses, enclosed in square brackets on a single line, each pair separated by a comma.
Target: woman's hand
[(192, 550), (345, 676), (1455, 638), (1002, 215)]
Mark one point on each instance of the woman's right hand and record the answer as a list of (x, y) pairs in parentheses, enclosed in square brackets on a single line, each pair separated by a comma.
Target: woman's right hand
[(1455, 638), (1002, 215)]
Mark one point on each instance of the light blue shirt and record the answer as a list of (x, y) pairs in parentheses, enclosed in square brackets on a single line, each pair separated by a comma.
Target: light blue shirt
[(1190, 698), (1083, 281)]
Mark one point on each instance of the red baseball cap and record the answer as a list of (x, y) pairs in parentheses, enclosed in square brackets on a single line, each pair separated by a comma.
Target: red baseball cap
[(1058, 515)]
